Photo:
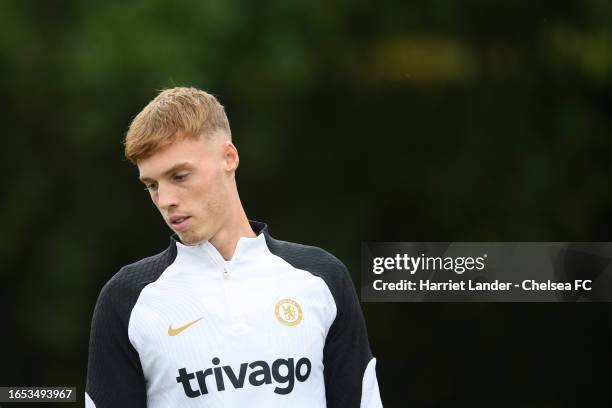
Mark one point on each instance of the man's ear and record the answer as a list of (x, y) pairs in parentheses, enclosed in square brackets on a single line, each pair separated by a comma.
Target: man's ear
[(230, 156)]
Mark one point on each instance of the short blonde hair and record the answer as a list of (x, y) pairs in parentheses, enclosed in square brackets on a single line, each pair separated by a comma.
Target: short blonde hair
[(189, 111)]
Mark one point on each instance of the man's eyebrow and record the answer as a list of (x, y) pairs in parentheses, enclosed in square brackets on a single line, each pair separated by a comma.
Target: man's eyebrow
[(173, 169)]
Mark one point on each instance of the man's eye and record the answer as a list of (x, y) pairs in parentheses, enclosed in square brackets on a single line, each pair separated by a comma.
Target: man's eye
[(179, 177), (150, 187)]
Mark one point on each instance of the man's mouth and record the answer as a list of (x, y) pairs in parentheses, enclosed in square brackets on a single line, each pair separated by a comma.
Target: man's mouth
[(179, 223)]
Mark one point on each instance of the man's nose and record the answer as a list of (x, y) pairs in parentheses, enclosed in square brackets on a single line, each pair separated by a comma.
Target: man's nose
[(166, 197)]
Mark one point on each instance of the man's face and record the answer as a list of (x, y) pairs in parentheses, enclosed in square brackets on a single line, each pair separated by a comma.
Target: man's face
[(189, 182)]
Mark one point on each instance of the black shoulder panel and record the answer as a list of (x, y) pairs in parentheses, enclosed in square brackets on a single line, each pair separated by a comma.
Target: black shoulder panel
[(114, 373), (314, 260)]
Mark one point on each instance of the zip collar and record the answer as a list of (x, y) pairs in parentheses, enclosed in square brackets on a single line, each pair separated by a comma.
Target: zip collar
[(246, 247)]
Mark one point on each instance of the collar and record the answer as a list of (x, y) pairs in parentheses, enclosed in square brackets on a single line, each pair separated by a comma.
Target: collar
[(246, 247)]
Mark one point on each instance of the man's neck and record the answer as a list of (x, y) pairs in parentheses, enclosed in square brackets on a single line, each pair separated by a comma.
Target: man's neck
[(226, 239)]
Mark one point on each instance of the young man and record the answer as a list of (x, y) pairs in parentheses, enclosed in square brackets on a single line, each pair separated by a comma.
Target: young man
[(226, 316)]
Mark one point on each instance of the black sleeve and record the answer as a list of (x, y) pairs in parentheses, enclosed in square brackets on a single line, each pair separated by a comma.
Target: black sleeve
[(114, 373), (347, 351)]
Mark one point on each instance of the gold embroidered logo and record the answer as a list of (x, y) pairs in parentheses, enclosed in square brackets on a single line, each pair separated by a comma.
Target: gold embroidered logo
[(174, 332), (288, 312)]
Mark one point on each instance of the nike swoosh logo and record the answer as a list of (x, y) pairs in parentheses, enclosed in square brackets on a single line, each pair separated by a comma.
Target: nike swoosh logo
[(174, 332)]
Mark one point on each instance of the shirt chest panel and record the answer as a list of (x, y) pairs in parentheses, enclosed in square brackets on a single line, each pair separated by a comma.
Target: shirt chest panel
[(195, 319)]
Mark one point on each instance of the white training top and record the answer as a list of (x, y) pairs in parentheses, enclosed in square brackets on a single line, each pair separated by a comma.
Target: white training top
[(279, 325)]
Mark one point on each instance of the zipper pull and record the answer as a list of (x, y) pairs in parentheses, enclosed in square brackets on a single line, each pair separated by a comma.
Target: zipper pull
[(226, 274)]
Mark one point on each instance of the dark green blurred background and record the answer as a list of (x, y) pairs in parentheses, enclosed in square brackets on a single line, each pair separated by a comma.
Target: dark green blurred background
[(356, 121)]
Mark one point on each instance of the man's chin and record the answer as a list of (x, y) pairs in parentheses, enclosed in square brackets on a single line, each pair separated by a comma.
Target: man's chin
[(191, 239)]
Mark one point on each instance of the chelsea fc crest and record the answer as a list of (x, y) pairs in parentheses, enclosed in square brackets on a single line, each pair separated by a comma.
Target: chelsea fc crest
[(288, 312)]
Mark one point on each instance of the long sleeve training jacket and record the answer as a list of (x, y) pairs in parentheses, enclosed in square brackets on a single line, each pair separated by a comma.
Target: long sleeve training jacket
[(279, 325)]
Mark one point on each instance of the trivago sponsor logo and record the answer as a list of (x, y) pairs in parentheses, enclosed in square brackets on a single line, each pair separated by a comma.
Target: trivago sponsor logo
[(283, 371)]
